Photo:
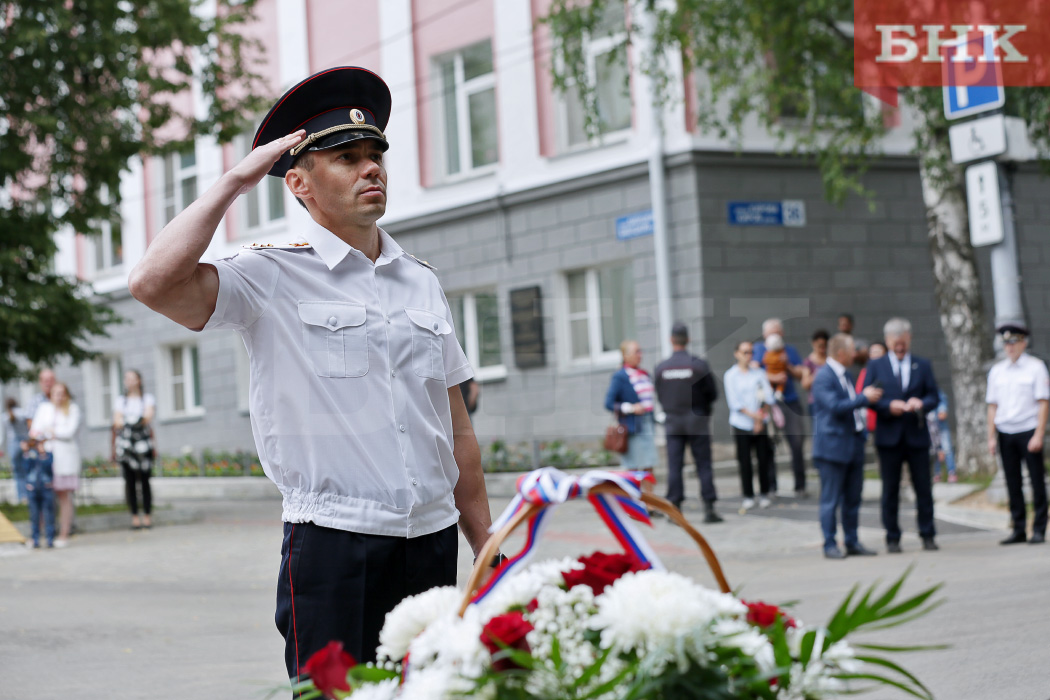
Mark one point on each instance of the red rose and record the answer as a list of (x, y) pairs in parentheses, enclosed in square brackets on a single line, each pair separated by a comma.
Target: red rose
[(602, 569), (327, 669), (506, 631), (765, 615)]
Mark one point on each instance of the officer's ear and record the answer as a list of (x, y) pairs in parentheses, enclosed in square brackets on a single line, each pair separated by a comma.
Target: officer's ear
[(297, 183)]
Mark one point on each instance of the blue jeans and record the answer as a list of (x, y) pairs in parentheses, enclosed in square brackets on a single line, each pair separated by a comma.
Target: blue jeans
[(841, 484), (19, 472), (946, 446), (41, 496)]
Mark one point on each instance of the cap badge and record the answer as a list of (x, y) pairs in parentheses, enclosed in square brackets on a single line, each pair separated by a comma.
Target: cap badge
[(357, 116)]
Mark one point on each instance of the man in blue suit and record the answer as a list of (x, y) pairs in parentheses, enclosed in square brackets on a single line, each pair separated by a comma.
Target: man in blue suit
[(901, 434), (839, 433)]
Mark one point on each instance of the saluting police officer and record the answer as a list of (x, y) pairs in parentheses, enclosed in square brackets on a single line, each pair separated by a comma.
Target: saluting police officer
[(355, 404), (1018, 401), (686, 389)]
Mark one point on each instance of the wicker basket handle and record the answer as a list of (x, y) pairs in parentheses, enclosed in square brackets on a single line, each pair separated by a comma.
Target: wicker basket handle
[(492, 545)]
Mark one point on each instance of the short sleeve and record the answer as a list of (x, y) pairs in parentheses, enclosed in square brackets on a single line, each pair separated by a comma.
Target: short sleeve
[(148, 401), (119, 405), (246, 285), (457, 367), (991, 394), (1042, 381)]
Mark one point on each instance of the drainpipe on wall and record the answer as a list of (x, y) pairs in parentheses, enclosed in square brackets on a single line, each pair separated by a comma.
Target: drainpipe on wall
[(658, 197)]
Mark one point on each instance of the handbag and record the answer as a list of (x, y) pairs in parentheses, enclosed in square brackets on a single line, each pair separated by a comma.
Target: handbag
[(616, 436)]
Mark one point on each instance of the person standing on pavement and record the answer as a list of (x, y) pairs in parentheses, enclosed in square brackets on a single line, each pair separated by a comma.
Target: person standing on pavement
[(630, 399), (57, 426), (901, 435), (355, 401), (750, 398), (839, 434), (790, 405), (133, 445), (813, 362), (1018, 405), (686, 390), (16, 431)]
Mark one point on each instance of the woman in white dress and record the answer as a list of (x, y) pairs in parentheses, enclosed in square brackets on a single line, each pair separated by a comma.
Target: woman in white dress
[(133, 413), (58, 424)]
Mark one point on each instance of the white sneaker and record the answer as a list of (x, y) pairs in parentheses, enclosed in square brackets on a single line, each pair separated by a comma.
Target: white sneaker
[(61, 544), (764, 502), (747, 504)]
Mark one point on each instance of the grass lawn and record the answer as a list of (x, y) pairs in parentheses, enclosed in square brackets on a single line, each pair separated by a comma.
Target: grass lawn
[(19, 512)]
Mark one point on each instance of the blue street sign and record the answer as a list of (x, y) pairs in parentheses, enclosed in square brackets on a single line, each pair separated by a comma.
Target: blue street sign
[(635, 225), (789, 212), (972, 86)]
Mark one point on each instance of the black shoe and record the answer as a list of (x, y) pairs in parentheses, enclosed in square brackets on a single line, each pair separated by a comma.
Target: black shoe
[(1037, 538), (893, 547), (710, 516), (929, 545), (833, 553), (860, 550), (1017, 538)]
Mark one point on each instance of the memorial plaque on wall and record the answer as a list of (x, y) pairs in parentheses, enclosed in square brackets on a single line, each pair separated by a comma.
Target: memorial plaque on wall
[(526, 319)]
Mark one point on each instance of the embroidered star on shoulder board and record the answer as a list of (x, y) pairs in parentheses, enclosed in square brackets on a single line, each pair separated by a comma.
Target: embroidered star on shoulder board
[(424, 263)]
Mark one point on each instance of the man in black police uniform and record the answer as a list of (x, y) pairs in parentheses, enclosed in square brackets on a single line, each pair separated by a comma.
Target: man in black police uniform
[(686, 389)]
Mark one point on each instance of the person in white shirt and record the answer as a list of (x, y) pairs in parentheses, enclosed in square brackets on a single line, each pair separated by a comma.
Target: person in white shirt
[(751, 402), (133, 446), (354, 368), (57, 424), (1018, 399)]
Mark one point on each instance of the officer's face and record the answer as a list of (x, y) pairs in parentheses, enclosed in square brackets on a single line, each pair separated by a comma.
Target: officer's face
[(348, 183), (1013, 350)]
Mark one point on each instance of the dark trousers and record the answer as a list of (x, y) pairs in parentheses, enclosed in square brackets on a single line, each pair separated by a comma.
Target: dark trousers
[(701, 447), (841, 484), (746, 442), (794, 432), (1013, 447), (133, 477), (891, 461), (338, 586)]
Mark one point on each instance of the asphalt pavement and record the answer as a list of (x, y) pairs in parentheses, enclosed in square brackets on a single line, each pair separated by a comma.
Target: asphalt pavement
[(186, 610)]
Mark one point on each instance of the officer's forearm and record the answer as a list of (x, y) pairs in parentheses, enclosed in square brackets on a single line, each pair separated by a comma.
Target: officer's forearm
[(471, 497)]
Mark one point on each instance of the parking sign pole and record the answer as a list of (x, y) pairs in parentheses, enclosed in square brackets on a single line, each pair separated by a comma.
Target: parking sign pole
[(1006, 276)]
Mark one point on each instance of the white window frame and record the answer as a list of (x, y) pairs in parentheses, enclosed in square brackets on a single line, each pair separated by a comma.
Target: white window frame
[(103, 243), (165, 382), (97, 373), (595, 49), (463, 90), (180, 174), (469, 334), (267, 226), (596, 358)]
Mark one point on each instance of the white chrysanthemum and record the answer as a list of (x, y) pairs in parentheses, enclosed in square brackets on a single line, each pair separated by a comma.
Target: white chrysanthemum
[(411, 616), (841, 654), (633, 613), (434, 683), (450, 642), (519, 589), (384, 690), (737, 633)]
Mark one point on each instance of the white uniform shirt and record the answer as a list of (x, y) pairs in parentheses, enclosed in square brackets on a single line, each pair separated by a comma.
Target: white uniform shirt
[(132, 408), (1016, 388), (350, 368)]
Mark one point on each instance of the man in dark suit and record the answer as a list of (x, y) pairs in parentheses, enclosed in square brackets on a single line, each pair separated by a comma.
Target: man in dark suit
[(686, 389), (901, 434), (839, 432)]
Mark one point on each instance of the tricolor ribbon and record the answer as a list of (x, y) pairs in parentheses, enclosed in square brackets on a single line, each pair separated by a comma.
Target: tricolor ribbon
[(551, 487)]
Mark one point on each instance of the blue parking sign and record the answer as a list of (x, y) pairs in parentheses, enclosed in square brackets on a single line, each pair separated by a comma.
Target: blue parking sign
[(973, 79)]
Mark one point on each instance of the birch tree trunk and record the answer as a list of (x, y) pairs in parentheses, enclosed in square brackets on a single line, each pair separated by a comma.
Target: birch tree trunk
[(959, 301)]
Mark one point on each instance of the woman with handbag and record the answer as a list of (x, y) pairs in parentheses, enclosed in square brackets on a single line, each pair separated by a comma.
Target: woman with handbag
[(751, 407), (133, 413), (630, 398)]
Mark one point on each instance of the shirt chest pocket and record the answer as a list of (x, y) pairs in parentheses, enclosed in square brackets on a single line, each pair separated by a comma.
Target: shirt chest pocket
[(428, 331), (335, 337)]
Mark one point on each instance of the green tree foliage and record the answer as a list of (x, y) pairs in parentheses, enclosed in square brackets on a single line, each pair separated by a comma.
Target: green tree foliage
[(787, 67), (84, 87)]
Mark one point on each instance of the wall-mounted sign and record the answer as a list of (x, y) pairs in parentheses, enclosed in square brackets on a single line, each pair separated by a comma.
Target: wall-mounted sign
[(526, 320), (635, 225), (788, 212)]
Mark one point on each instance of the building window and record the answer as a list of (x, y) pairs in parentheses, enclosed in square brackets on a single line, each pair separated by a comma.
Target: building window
[(106, 250), (179, 385), (605, 53), (179, 182), (102, 384), (262, 205), (476, 316), (600, 313), (466, 137)]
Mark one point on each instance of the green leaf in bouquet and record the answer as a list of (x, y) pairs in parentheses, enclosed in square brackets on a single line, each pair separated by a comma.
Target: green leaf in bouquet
[(592, 670), (556, 653), (886, 663), (902, 649), (840, 620), (363, 673), (808, 641), (885, 681)]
